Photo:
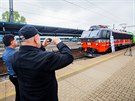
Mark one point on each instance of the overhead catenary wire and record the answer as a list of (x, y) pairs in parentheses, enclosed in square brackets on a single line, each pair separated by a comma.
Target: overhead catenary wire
[(75, 20), (64, 0), (33, 13), (133, 15), (114, 16), (41, 15), (66, 18), (106, 17), (49, 16), (52, 16)]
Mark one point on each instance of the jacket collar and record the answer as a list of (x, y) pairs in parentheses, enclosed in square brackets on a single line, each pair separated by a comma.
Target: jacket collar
[(8, 48), (28, 48)]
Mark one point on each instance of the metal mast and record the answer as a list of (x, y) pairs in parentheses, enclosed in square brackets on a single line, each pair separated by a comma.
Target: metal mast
[(11, 15)]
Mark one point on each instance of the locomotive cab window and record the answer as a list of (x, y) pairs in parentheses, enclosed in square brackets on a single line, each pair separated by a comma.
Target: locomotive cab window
[(85, 34), (108, 34), (90, 34), (93, 34)]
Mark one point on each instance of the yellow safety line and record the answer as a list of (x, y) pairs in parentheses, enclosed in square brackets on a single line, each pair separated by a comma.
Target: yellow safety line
[(4, 82), (63, 75), (7, 95), (79, 69)]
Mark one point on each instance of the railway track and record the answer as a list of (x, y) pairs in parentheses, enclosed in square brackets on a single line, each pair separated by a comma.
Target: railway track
[(73, 46), (3, 71), (77, 57), (76, 54)]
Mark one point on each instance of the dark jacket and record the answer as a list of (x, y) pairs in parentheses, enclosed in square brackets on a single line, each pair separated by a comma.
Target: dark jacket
[(35, 70)]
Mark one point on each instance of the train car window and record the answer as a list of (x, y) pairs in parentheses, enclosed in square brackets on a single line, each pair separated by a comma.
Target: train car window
[(1, 37), (121, 35), (116, 35)]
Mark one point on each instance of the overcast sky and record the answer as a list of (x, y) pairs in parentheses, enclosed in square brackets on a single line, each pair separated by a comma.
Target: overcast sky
[(79, 14)]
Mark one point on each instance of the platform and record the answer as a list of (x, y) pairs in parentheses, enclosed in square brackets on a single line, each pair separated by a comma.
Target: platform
[(106, 78)]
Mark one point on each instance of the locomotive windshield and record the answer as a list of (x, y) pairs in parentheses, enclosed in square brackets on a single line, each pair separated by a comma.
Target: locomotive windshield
[(85, 34), (90, 34), (93, 34)]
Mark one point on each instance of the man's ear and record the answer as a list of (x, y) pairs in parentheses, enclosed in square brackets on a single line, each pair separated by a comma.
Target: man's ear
[(11, 42), (35, 38)]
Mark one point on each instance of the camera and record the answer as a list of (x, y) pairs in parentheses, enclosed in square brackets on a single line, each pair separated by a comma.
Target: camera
[(49, 40)]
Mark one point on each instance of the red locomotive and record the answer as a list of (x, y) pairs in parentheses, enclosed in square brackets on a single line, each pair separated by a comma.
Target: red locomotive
[(101, 39)]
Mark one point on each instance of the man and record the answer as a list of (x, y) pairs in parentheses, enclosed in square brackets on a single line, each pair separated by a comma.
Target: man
[(10, 44), (35, 68)]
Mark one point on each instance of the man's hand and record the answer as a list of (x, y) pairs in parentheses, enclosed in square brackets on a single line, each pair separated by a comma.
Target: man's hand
[(56, 40), (45, 42)]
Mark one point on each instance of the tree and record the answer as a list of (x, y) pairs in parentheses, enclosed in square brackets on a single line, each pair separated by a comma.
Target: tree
[(17, 17)]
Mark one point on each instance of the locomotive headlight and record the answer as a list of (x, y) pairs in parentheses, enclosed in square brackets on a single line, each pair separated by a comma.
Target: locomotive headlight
[(88, 43), (96, 44)]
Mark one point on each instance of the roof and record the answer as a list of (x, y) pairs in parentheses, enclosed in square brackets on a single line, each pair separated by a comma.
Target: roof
[(6, 27)]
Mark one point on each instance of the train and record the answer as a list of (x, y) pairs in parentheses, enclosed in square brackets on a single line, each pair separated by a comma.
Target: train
[(62, 38), (100, 39)]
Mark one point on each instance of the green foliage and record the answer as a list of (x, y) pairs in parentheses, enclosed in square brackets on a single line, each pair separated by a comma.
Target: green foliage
[(17, 17)]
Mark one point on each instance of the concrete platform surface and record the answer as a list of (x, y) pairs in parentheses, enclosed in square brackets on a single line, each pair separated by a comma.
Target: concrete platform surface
[(106, 78), (112, 80)]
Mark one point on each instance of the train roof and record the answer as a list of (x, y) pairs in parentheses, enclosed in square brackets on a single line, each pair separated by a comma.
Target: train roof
[(14, 28), (106, 27), (119, 31), (116, 31)]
